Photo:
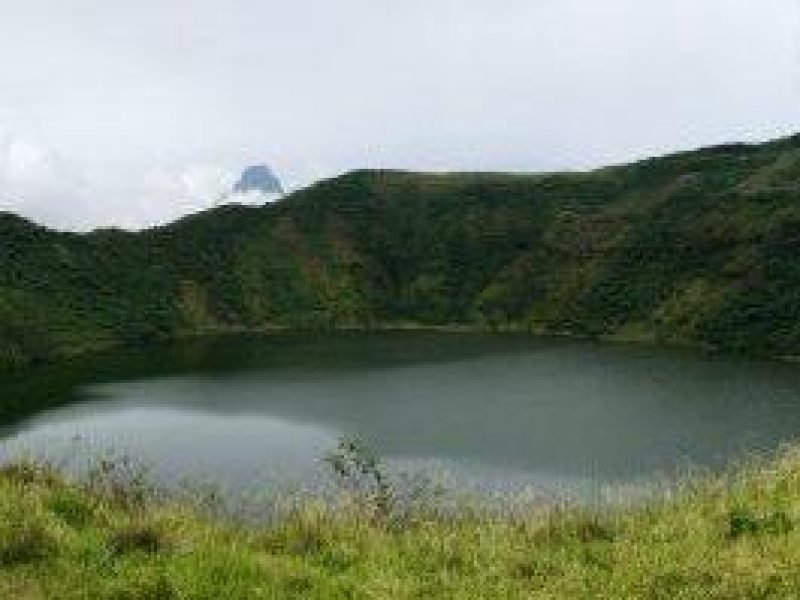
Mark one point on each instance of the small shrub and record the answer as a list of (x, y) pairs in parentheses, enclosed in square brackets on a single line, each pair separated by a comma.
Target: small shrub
[(743, 521), (145, 538), (28, 472), (24, 539), (71, 507), (301, 533), (585, 528), (359, 471), (145, 586), (778, 523), (397, 500), (122, 481), (592, 529)]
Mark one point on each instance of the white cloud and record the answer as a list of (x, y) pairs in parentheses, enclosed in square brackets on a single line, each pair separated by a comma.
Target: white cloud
[(169, 193), (40, 184), (148, 104), (252, 198)]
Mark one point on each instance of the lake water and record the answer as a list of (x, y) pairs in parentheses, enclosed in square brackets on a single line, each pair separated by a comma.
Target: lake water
[(481, 412)]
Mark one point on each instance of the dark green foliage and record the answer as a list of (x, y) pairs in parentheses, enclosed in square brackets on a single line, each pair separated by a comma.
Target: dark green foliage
[(71, 507), (700, 247), (742, 522), (24, 536), (24, 542), (142, 537)]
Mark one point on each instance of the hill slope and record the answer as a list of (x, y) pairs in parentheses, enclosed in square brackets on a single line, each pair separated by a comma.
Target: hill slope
[(700, 246)]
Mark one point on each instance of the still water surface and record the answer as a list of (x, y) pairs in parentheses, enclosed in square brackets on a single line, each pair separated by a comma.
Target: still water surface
[(483, 412)]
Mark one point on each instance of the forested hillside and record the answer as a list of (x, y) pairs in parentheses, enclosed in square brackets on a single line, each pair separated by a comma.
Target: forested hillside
[(700, 247)]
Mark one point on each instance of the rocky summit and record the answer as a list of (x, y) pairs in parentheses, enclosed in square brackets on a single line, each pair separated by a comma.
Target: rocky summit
[(258, 178)]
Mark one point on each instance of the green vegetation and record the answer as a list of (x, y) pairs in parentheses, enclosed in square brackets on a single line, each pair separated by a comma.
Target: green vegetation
[(699, 247), (733, 537)]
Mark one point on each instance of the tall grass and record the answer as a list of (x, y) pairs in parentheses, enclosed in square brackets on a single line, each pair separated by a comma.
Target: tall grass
[(735, 536)]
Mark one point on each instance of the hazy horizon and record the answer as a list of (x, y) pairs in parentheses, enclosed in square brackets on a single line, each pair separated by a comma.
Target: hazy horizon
[(132, 115)]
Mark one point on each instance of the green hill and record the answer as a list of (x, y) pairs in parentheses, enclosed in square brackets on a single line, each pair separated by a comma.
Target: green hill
[(700, 247)]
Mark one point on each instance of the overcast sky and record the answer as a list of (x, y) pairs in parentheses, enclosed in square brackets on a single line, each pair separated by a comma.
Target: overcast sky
[(130, 113)]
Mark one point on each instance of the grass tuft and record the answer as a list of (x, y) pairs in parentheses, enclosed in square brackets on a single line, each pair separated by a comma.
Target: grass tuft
[(137, 537), (25, 534)]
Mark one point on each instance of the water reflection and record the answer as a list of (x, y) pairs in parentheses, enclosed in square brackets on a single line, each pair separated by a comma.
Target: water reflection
[(492, 410)]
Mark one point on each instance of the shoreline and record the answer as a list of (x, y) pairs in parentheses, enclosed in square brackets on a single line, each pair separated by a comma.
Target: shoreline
[(539, 333)]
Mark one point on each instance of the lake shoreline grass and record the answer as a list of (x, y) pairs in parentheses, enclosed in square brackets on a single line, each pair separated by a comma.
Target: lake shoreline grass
[(730, 536)]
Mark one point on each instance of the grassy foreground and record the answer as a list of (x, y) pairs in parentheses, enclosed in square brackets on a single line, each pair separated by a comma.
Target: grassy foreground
[(736, 537)]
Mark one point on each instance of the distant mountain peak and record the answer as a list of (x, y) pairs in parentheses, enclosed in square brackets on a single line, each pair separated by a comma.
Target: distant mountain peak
[(258, 178)]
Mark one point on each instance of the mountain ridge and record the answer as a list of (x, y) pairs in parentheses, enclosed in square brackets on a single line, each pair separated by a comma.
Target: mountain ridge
[(699, 247)]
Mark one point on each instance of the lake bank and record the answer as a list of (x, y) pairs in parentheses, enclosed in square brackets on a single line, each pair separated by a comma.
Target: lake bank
[(730, 537)]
